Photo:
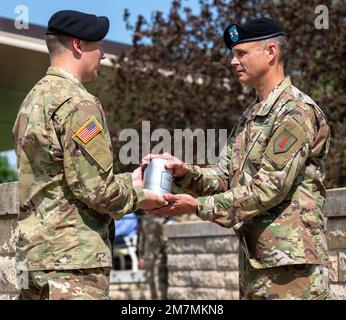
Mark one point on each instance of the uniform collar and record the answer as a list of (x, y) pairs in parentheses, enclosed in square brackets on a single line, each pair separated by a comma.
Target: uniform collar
[(262, 108), (60, 72)]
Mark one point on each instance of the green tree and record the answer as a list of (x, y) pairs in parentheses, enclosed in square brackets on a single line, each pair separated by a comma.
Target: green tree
[(7, 174), (189, 46)]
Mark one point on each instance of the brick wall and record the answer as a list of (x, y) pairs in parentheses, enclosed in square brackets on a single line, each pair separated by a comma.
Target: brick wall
[(127, 285), (335, 211), (202, 260)]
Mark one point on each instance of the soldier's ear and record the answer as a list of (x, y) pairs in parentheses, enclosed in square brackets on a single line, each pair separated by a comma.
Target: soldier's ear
[(76, 45), (273, 53)]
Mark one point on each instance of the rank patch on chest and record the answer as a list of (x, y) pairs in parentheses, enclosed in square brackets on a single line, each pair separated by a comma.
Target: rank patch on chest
[(284, 142), (89, 130)]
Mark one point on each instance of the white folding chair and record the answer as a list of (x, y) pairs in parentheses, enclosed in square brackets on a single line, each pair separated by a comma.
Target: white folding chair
[(129, 249)]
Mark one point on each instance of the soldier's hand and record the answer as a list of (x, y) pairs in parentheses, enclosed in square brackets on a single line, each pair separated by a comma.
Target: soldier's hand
[(178, 167), (137, 178), (152, 201), (178, 204)]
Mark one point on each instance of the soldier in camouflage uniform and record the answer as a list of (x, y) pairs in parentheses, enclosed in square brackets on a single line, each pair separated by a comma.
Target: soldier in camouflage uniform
[(268, 184), (152, 249), (68, 191)]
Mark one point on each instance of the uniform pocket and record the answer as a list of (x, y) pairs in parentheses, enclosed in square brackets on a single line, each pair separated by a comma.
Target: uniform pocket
[(98, 149)]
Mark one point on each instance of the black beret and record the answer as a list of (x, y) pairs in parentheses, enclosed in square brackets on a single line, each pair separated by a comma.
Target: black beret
[(79, 25), (254, 30)]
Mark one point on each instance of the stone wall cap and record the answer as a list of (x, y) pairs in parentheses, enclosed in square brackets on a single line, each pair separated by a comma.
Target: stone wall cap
[(335, 205), (9, 204), (190, 229)]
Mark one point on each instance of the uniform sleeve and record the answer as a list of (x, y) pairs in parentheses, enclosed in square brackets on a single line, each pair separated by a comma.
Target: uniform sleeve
[(88, 164), (209, 180), (283, 160)]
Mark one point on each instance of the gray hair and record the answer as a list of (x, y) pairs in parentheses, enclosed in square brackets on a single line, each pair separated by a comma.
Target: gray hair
[(57, 43), (281, 42)]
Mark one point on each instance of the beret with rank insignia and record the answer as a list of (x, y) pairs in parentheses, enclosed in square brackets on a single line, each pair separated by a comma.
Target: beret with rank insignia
[(254, 30)]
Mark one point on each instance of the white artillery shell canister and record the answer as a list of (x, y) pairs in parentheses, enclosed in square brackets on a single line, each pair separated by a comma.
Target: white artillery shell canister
[(157, 178)]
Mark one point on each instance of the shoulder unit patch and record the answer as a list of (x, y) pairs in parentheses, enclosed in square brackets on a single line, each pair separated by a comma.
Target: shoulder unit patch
[(284, 142)]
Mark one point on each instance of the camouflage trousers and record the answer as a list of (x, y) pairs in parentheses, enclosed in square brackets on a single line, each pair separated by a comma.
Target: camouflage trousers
[(82, 284), (291, 282)]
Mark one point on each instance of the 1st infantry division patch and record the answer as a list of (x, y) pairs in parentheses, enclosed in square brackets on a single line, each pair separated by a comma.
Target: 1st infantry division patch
[(284, 142), (88, 130)]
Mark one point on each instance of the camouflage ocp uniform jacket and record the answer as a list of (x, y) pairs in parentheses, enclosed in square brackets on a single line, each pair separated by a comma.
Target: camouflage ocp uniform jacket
[(268, 184), (68, 191)]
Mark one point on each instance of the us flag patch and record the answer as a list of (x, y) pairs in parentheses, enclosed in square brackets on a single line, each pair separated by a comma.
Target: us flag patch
[(89, 130)]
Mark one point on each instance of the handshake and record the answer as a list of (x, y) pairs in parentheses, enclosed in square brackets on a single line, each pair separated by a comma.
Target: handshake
[(168, 204)]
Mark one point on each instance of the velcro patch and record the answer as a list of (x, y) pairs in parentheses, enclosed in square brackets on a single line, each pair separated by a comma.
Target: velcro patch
[(284, 142), (88, 130)]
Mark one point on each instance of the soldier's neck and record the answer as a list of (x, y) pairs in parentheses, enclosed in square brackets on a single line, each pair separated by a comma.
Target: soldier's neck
[(69, 67), (268, 82)]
